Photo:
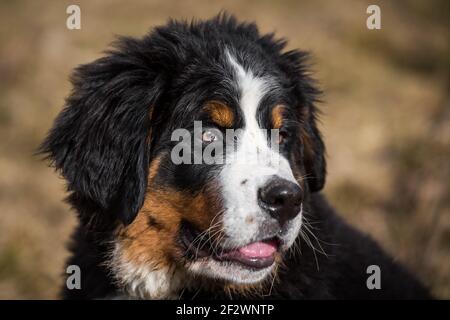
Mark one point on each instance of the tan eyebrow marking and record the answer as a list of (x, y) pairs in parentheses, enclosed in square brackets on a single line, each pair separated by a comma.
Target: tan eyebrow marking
[(277, 116), (220, 113)]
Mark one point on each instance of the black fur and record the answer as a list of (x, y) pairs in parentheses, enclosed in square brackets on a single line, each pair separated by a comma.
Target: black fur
[(148, 87)]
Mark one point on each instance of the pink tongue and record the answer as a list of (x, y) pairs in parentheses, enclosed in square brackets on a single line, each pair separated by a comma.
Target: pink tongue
[(259, 249)]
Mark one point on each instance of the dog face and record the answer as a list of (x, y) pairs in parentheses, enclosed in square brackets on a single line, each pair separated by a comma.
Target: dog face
[(222, 202)]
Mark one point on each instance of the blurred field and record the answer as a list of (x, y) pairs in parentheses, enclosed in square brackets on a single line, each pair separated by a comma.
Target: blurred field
[(386, 119)]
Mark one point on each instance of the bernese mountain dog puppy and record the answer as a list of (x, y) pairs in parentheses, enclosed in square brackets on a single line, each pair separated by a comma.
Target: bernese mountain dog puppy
[(255, 226)]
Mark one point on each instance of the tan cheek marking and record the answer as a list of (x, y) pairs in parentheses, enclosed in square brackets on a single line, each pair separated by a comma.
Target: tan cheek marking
[(142, 244), (153, 170), (199, 209), (277, 116), (220, 114), (150, 238)]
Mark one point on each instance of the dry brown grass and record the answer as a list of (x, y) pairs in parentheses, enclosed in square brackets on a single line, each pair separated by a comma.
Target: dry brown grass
[(386, 120)]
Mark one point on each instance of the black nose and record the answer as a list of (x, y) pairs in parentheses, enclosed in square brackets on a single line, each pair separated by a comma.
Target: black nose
[(282, 199)]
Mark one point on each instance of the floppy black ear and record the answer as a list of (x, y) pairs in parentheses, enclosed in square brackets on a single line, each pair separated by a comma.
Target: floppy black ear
[(100, 141), (295, 64)]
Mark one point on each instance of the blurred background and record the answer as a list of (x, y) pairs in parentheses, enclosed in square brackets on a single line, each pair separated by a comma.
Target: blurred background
[(386, 119)]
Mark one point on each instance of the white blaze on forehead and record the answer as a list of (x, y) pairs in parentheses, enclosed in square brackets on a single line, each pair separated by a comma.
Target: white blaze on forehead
[(253, 163), (252, 90)]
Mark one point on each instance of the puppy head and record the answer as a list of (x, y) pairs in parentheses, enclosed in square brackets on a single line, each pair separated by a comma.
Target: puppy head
[(139, 145)]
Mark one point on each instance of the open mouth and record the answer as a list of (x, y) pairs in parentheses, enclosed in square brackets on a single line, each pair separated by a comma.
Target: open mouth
[(256, 255)]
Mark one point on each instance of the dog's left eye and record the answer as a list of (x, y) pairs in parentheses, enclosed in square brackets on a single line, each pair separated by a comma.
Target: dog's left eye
[(282, 137), (209, 136)]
